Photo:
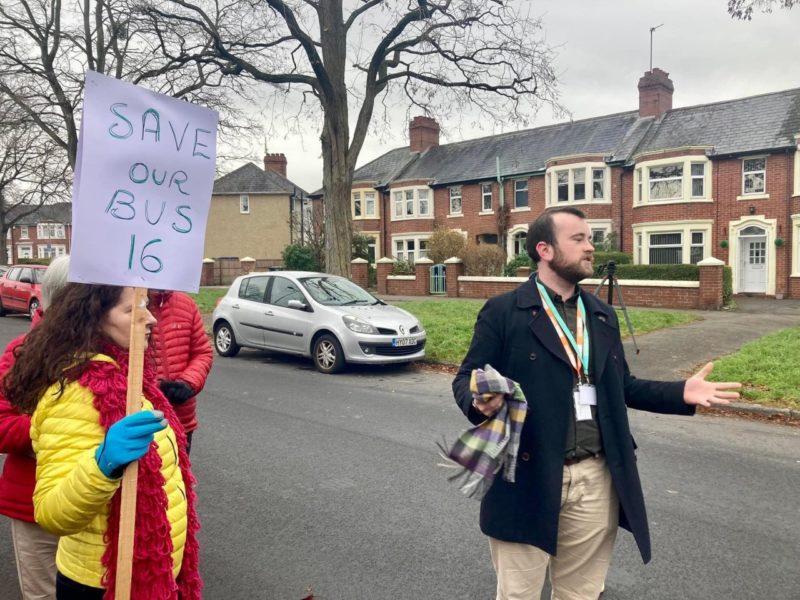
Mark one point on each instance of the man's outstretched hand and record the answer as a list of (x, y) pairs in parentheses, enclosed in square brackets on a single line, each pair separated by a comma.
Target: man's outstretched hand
[(707, 393)]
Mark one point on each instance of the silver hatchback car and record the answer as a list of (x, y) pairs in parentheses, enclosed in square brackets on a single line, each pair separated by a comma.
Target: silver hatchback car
[(325, 317)]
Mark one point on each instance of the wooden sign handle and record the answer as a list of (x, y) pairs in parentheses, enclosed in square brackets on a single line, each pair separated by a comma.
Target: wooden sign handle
[(127, 516)]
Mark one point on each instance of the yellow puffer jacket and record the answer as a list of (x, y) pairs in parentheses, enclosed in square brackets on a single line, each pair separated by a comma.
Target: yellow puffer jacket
[(72, 495)]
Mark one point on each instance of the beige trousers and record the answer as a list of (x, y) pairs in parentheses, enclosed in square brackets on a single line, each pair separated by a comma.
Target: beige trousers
[(35, 550), (587, 528)]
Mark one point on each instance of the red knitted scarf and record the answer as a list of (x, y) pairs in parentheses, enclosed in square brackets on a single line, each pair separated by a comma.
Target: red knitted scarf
[(152, 546)]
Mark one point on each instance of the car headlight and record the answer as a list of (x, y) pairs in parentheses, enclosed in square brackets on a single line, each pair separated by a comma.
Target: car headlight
[(358, 325)]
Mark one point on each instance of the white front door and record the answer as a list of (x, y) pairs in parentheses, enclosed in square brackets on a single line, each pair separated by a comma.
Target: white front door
[(753, 265)]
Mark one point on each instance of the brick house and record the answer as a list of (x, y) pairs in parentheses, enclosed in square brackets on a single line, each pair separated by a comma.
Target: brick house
[(673, 185), (255, 212), (42, 233)]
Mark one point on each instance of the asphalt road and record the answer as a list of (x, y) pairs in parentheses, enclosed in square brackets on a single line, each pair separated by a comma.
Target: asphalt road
[(332, 482)]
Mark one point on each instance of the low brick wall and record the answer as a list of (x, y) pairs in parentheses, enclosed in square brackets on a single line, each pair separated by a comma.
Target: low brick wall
[(652, 294), (401, 285), (794, 287), (222, 271), (705, 294)]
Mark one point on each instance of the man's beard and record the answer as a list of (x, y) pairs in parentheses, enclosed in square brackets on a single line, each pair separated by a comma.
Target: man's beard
[(573, 273)]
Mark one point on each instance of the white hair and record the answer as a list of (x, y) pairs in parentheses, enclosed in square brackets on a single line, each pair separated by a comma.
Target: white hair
[(55, 278)]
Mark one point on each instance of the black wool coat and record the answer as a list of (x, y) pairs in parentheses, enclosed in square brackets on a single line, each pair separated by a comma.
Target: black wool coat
[(514, 334)]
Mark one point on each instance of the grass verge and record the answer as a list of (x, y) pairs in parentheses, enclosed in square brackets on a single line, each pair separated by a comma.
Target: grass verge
[(767, 368), (207, 297), (449, 324)]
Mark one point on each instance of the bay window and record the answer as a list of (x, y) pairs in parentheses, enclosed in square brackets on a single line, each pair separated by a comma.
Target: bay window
[(410, 248), (672, 243), (411, 203), (681, 179), (363, 204)]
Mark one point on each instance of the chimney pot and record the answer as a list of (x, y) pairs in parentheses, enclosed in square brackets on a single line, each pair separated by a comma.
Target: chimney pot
[(655, 93)]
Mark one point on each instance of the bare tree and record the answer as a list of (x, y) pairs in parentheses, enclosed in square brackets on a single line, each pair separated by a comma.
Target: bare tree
[(342, 57), (743, 9), (46, 48), (27, 178)]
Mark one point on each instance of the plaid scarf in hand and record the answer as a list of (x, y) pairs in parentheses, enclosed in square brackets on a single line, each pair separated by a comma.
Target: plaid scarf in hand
[(481, 451)]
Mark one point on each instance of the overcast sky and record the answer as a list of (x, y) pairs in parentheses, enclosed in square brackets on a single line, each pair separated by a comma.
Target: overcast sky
[(603, 50)]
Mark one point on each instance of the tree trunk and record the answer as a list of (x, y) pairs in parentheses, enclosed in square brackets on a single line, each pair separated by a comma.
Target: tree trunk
[(337, 177)]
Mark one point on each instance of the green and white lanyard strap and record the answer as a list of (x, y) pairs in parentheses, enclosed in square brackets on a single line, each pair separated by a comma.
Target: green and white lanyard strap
[(573, 348)]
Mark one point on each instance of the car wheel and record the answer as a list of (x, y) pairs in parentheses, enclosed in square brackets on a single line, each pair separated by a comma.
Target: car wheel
[(328, 355), (2, 310), (225, 341), (32, 308)]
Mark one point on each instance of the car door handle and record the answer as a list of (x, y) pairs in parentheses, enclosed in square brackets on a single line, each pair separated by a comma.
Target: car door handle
[(235, 306), (269, 313)]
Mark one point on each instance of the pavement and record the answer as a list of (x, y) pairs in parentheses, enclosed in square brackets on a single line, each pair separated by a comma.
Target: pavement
[(678, 352)]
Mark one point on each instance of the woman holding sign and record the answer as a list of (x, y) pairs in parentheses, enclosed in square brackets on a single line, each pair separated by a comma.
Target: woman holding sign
[(71, 374)]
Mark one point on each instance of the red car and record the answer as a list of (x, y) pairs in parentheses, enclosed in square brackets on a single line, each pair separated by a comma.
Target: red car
[(20, 290)]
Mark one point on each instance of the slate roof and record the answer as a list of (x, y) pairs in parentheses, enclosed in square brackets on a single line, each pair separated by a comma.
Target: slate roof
[(757, 123), (58, 212), (764, 122), (521, 151), (250, 179)]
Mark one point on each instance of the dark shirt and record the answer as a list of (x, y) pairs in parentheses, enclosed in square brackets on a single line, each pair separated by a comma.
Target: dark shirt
[(583, 437)]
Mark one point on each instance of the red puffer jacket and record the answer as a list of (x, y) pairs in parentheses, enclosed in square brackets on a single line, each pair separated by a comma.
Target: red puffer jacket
[(181, 348), (19, 471)]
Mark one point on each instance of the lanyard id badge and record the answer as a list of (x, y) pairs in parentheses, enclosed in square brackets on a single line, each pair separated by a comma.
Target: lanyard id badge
[(585, 397)]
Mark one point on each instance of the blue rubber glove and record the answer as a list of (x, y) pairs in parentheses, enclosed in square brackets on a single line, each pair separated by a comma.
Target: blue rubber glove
[(128, 440)]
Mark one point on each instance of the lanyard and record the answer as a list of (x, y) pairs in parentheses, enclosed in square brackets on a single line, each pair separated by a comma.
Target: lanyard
[(580, 347)]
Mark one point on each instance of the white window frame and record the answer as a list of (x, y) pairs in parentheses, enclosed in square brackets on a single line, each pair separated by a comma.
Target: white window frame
[(603, 225), (641, 187), (53, 251), (702, 245), (355, 201), (24, 233), (527, 205), (25, 251), (588, 171), (679, 245), (456, 193), (797, 168), (745, 173), (244, 204), (642, 231), (417, 239), (795, 245), (399, 201), (512, 233), (486, 194), (370, 196)]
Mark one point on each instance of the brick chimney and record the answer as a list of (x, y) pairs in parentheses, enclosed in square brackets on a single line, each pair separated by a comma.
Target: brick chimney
[(275, 162), (423, 132), (655, 93)]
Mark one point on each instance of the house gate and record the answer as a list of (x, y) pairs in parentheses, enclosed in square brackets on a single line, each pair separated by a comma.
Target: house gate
[(438, 279)]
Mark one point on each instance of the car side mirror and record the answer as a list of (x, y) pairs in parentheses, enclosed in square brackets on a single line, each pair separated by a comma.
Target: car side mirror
[(297, 305), (25, 280)]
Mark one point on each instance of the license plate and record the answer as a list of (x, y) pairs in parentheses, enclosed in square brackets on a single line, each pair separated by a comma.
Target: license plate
[(397, 342)]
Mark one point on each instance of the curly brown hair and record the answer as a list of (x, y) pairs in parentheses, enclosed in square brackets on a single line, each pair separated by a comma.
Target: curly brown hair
[(59, 348)]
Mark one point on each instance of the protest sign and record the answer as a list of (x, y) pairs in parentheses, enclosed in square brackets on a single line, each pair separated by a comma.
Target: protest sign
[(142, 187)]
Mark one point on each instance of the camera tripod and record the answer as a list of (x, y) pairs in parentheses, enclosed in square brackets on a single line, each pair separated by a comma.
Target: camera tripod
[(613, 284)]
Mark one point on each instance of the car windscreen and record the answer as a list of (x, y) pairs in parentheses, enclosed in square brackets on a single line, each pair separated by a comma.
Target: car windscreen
[(37, 275), (336, 291)]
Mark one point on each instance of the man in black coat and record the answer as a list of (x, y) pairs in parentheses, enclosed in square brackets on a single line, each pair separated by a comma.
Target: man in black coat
[(576, 477)]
